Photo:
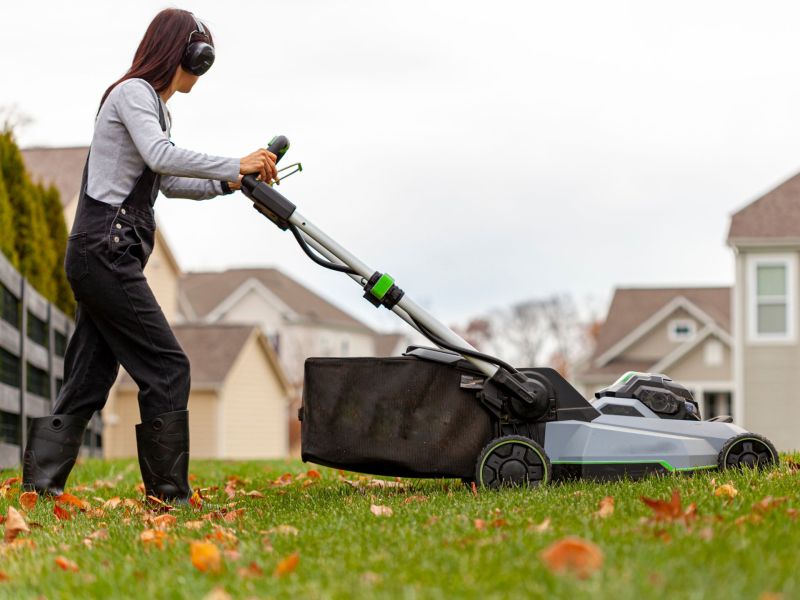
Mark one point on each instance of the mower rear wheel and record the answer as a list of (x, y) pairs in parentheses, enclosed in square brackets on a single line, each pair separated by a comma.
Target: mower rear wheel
[(513, 460), (747, 450)]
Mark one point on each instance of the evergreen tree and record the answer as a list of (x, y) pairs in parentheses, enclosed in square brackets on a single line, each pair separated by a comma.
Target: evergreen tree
[(54, 213), (7, 240)]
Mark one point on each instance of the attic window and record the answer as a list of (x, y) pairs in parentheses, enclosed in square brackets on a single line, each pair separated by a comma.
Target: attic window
[(681, 330), (771, 292)]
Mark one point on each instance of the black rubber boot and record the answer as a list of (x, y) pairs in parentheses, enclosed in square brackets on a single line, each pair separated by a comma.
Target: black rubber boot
[(51, 451), (163, 446)]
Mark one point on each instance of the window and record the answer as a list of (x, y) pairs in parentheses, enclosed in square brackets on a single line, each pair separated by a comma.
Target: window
[(681, 330), (771, 304)]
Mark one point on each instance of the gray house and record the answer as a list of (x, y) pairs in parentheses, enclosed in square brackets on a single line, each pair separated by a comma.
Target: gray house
[(765, 238)]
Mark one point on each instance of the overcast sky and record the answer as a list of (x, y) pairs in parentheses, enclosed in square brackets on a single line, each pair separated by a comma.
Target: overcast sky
[(480, 152)]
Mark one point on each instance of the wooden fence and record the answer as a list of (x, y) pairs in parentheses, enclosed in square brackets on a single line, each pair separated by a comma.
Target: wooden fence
[(33, 339)]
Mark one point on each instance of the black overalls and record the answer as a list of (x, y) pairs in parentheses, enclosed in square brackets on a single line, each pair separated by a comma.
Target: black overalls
[(118, 318)]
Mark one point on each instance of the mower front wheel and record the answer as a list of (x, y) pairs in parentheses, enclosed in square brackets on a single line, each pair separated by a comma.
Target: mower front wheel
[(511, 461), (747, 450)]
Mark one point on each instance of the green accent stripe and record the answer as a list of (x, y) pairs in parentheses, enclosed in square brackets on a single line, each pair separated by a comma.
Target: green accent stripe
[(663, 463), (382, 286)]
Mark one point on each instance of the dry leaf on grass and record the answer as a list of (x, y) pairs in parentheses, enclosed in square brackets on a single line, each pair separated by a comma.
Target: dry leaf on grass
[(196, 500), (541, 527), (479, 524), (254, 494), (4, 576), (100, 534), (283, 480), (14, 524), (71, 500), (112, 503), (164, 521), (726, 491), (5, 487), (381, 511), (573, 555), (28, 500), (62, 514), (224, 536), (206, 557), (287, 565), (606, 507), (153, 537), (218, 593), (251, 571), (768, 503), (66, 564), (672, 510), (193, 524), (233, 515)]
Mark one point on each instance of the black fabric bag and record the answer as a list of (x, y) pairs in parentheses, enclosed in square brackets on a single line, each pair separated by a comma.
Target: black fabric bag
[(399, 416)]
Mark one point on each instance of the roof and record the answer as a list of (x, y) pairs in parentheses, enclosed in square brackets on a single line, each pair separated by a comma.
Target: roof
[(204, 291), (774, 215), (213, 349), (631, 307), (62, 167)]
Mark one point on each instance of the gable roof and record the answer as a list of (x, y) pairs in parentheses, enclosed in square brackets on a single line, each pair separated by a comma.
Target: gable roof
[(213, 349), (206, 290), (776, 214), (62, 167), (632, 308)]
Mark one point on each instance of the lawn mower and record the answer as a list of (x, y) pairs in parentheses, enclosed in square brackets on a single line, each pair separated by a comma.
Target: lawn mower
[(454, 412)]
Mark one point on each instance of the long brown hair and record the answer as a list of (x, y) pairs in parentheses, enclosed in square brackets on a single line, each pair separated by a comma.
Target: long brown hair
[(161, 49)]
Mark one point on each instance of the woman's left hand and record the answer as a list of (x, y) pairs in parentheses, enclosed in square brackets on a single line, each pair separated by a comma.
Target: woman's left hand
[(236, 185)]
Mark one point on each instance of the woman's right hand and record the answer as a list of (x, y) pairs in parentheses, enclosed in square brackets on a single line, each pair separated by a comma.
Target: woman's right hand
[(261, 162)]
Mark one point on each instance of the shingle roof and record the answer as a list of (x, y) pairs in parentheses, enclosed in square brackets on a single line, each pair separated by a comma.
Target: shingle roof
[(62, 167), (773, 215), (206, 290), (212, 349)]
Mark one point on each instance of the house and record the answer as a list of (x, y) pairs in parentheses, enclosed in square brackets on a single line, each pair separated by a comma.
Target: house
[(264, 379), (684, 333), (239, 400), (298, 322), (765, 238)]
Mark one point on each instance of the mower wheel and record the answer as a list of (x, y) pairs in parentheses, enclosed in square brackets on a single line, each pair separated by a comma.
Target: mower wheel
[(747, 450), (513, 460)]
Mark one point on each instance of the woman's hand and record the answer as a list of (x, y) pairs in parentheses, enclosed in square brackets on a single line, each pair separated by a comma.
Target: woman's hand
[(235, 185), (261, 162)]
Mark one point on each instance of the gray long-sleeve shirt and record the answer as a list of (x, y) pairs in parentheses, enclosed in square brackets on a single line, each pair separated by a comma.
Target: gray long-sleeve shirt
[(128, 136)]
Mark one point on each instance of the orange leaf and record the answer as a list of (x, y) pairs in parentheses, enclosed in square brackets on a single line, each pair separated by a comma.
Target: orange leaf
[(71, 500), (206, 557), (28, 500), (573, 555), (14, 524), (196, 500), (726, 491), (672, 510), (10, 481), (4, 576), (768, 503), (313, 474), (66, 564), (606, 507), (480, 524), (234, 515), (154, 537), (287, 565), (62, 514), (255, 494), (250, 571), (164, 521)]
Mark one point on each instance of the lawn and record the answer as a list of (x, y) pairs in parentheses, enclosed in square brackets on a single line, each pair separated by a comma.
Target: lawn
[(283, 530)]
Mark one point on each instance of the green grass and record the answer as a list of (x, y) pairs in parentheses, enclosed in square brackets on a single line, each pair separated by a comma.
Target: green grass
[(429, 547)]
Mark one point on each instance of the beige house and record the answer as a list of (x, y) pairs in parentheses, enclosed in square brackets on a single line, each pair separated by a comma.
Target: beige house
[(258, 389), (298, 322), (765, 238), (238, 405), (681, 332)]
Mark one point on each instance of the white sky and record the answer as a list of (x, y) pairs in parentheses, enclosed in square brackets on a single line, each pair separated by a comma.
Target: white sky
[(481, 152)]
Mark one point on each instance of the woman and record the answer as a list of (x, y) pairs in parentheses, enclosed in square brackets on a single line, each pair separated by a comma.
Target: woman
[(118, 319)]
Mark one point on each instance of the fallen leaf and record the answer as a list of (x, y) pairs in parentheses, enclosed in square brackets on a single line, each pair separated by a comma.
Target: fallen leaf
[(381, 511), (474, 489), (206, 557), (672, 510), (196, 500), (250, 571), (415, 499), (254, 494), (27, 500), (158, 505), (606, 507), (573, 555), (283, 480), (153, 537), (11, 481), (217, 593), (313, 474), (193, 524), (14, 524), (4, 576), (768, 503), (66, 564), (234, 515), (479, 524), (71, 500), (224, 536), (706, 533), (164, 521), (62, 514), (287, 565), (726, 491), (541, 527)]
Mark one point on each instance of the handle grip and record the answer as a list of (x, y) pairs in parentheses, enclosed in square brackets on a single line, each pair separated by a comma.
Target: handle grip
[(278, 146)]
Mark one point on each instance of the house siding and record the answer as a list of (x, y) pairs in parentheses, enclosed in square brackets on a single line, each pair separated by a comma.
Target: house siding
[(254, 408), (769, 371), (693, 366), (656, 344)]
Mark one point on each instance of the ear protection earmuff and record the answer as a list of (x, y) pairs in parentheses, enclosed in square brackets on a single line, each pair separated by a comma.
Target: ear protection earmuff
[(198, 56)]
